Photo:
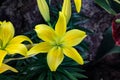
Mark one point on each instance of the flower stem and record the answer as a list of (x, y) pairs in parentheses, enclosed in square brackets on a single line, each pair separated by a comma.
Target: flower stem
[(11, 59), (117, 20), (50, 24)]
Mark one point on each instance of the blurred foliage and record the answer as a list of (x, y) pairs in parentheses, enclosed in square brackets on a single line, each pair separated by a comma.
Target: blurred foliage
[(108, 45), (36, 67), (115, 5), (111, 6)]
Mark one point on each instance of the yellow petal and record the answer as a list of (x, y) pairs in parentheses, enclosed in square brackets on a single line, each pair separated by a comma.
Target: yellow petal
[(78, 5), (19, 39), (42, 47), (6, 32), (45, 32), (0, 22), (16, 48), (54, 58), (60, 27), (1, 44), (66, 10), (44, 9), (74, 37), (5, 67), (2, 56), (73, 54)]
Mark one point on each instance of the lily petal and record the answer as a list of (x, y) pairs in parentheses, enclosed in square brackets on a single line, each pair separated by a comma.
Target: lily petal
[(42, 47), (0, 22), (45, 32), (16, 48), (72, 53), (60, 27), (66, 9), (44, 9), (2, 56), (74, 37), (19, 39), (1, 44), (5, 67), (54, 58), (78, 4), (6, 32)]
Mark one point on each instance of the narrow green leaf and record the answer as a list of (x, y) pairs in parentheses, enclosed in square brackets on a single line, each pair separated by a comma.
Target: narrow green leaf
[(2, 77), (42, 76), (115, 49), (64, 77), (57, 76), (67, 74), (75, 69), (49, 75), (117, 1), (79, 75), (115, 6), (106, 45), (104, 4)]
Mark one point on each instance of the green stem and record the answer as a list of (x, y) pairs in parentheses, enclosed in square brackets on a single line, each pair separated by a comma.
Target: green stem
[(117, 1), (49, 24), (49, 2), (117, 20), (11, 59)]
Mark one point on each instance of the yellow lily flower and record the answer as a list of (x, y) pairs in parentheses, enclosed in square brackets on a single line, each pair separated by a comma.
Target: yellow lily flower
[(78, 4), (10, 44), (66, 9), (44, 9), (58, 43), (5, 67)]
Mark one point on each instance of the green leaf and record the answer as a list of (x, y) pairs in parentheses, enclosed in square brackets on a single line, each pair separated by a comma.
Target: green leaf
[(105, 5), (79, 75), (2, 77), (115, 6), (75, 69), (58, 76), (106, 45), (49, 76), (42, 76), (114, 50), (64, 77), (67, 74)]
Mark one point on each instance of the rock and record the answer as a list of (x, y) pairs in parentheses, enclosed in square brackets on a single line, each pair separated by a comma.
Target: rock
[(24, 14), (99, 21)]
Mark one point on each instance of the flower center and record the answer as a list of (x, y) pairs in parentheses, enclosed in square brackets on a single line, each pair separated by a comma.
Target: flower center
[(2, 47), (58, 43), (1, 44)]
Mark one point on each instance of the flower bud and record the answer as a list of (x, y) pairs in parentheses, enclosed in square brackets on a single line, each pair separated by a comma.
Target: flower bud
[(66, 10), (116, 30), (78, 5), (44, 9)]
